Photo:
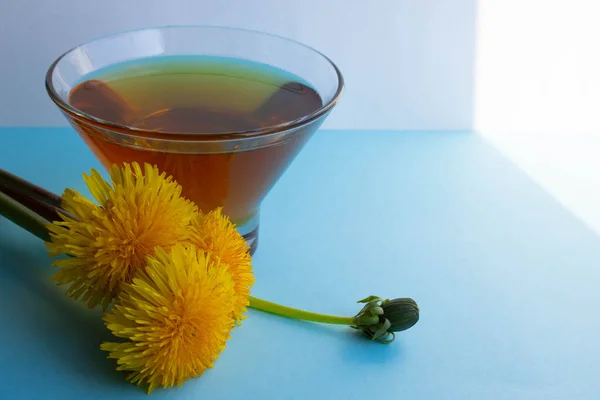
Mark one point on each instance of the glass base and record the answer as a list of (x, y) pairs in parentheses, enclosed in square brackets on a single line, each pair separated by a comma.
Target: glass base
[(252, 240), (249, 231)]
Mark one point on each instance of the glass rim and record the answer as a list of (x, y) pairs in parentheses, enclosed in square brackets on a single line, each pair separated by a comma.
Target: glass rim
[(178, 136)]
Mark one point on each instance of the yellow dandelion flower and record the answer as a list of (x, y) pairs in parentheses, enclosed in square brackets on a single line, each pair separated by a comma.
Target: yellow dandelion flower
[(109, 241), (176, 316), (214, 233)]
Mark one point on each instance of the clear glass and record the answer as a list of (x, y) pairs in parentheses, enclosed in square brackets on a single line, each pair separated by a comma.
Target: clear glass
[(274, 146)]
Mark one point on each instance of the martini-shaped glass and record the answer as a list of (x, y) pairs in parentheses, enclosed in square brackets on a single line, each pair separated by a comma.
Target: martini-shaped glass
[(219, 159)]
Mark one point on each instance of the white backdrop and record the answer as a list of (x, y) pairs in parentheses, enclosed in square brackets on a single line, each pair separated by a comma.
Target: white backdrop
[(538, 94), (408, 64)]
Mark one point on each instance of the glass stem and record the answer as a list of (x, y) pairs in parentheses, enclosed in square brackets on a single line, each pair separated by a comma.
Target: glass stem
[(278, 309)]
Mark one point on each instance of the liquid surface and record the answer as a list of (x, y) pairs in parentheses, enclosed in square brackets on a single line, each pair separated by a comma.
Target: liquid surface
[(195, 95), (200, 95)]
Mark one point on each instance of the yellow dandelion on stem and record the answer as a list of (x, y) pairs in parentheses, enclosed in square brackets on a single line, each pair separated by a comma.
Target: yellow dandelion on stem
[(109, 241), (176, 316), (89, 225), (216, 234)]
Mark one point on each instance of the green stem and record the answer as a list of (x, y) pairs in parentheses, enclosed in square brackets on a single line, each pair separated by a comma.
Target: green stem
[(24, 217), (274, 308)]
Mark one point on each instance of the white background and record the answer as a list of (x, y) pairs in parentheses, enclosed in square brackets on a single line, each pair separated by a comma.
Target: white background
[(538, 93), (408, 64), (525, 73)]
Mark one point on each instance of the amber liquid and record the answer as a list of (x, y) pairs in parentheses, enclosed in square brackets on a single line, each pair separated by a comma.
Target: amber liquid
[(175, 97)]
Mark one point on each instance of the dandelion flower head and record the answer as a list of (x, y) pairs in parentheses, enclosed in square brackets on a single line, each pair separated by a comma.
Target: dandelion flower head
[(108, 242), (216, 234), (175, 317)]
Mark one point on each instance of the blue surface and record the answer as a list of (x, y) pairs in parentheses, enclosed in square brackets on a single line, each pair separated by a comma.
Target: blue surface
[(507, 281)]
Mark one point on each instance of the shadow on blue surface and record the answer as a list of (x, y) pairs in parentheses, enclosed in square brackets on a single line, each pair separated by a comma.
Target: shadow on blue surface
[(67, 334), (351, 345), (359, 351)]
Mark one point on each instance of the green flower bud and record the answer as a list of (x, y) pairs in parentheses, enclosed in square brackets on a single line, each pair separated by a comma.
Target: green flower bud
[(402, 313), (379, 319)]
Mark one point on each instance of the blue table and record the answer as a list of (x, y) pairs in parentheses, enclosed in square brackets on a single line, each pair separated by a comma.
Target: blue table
[(507, 281)]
